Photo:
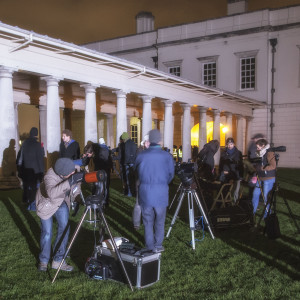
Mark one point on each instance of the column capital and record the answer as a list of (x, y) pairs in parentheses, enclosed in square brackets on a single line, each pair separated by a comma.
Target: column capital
[(227, 114), (146, 98), (51, 80), (6, 72), (202, 109), (168, 103), (186, 106), (238, 117), (216, 111), (120, 93), (108, 116), (89, 87), (249, 118)]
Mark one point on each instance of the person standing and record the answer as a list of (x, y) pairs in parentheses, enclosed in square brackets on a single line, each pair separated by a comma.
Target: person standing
[(128, 150), (266, 171), (30, 160), (103, 161), (155, 170), (137, 213), (69, 147), (59, 187)]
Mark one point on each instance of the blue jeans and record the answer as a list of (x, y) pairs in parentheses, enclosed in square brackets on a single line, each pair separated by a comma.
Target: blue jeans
[(154, 223), (62, 217), (267, 186)]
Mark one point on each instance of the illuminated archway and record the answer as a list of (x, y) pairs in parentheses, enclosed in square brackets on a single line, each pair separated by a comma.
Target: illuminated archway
[(209, 133)]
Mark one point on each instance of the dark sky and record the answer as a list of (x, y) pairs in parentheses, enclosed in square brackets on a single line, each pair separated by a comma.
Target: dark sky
[(82, 21)]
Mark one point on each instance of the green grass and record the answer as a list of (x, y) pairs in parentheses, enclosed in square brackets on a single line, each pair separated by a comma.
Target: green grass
[(238, 264)]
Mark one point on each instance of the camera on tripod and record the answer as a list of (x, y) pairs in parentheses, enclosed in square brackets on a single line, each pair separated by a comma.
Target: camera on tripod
[(185, 172)]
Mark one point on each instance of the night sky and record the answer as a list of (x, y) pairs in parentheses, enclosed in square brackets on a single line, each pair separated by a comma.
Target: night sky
[(82, 21)]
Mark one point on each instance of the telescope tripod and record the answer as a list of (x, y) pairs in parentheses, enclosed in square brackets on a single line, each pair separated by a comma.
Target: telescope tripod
[(191, 196), (270, 204), (94, 206)]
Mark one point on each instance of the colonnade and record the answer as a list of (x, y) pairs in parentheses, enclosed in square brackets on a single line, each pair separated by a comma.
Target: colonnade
[(50, 118)]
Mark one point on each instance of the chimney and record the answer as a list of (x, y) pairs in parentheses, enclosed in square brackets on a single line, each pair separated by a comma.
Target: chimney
[(236, 7), (144, 22)]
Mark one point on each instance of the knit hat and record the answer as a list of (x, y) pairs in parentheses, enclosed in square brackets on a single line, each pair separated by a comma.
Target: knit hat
[(258, 136), (33, 132), (101, 141), (124, 136), (154, 136), (64, 166)]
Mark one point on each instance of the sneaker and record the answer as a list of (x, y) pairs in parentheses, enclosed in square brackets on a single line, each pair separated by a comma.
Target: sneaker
[(64, 267), (158, 249), (42, 266)]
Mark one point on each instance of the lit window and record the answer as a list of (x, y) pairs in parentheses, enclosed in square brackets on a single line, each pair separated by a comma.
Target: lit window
[(134, 133), (175, 70), (247, 73), (209, 74)]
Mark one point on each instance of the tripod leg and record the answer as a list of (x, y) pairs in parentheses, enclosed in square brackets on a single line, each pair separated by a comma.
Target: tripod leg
[(115, 248), (290, 213), (203, 213), (176, 213), (72, 240), (191, 218), (179, 188)]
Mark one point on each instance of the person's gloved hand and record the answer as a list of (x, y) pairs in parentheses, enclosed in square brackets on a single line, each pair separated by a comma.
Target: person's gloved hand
[(75, 178)]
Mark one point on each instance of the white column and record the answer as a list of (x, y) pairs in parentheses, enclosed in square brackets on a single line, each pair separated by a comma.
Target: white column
[(109, 131), (186, 132), (43, 126), (248, 132), (101, 126), (53, 115), (90, 118), (202, 127), (121, 114), (216, 133), (228, 124), (147, 115), (168, 125), (239, 137), (7, 111)]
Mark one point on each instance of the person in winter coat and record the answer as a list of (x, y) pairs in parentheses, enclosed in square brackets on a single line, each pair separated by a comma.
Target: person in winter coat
[(127, 150), (69, 147), (155, 170), (231, 166), (266, 172), (60, 186), (30, 162)]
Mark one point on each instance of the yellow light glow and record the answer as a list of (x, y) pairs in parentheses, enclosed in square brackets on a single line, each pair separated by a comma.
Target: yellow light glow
[(209, 133)]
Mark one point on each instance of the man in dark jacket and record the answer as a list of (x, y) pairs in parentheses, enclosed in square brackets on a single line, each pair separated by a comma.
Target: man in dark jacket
[(68, 147), (30, 161), (155, 169), (103, 161), (127, 150)]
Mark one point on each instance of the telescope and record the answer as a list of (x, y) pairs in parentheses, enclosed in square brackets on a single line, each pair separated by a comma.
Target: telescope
[(277, 149)]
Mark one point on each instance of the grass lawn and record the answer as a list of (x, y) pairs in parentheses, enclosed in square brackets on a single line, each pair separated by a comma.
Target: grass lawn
[(237, 264)]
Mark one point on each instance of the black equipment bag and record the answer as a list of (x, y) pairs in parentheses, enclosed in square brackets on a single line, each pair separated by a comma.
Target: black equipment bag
[(97, 270), (232, 216), (272, 226)]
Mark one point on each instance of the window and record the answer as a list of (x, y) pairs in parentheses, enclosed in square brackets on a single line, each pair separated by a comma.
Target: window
[(246, 70), (208, 70), (173, 67), (175, 70), (209, 74), (247, 73), (134, 133)]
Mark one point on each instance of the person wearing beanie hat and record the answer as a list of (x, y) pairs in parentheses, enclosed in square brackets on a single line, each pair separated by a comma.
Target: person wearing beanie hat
[(128, 149), (154, 136), (60, 187), (155, 170), (30, 166)]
